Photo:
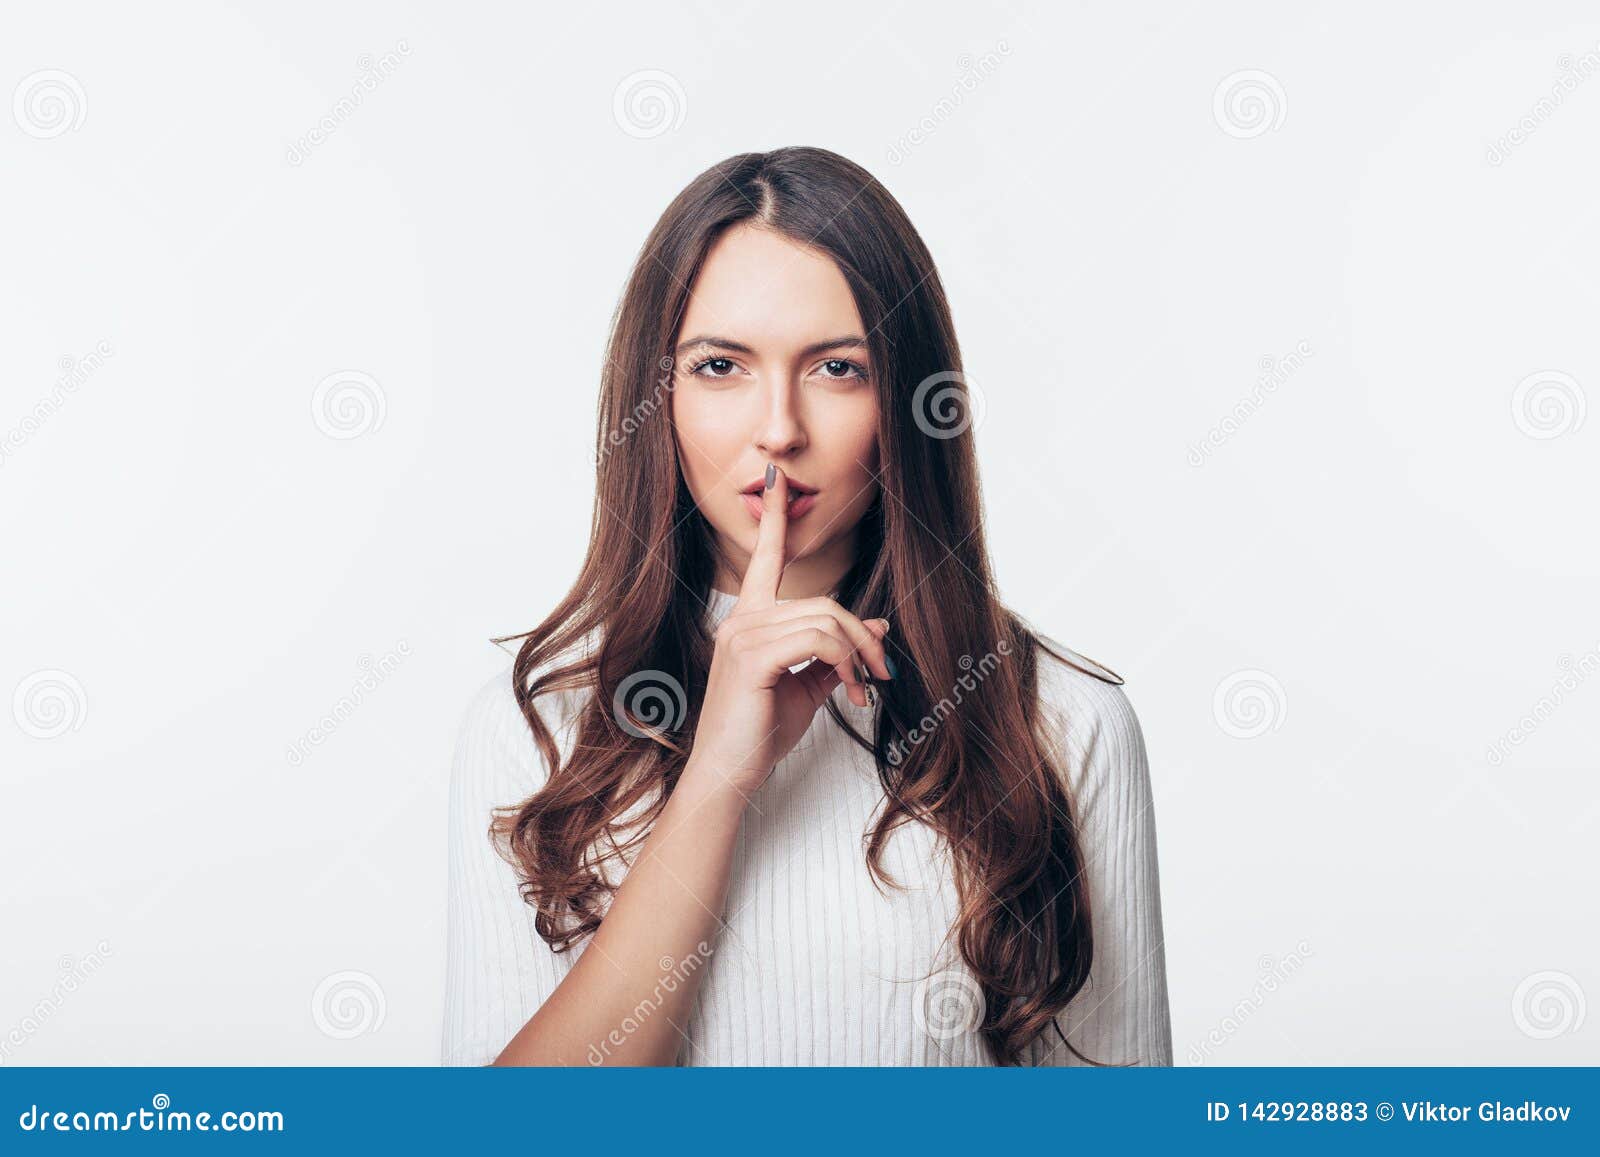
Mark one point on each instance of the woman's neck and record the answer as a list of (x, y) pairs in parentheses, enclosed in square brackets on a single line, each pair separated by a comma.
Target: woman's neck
[(803, 578)]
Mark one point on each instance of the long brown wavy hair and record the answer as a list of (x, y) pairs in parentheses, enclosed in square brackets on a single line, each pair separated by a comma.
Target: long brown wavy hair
[(987, 784)]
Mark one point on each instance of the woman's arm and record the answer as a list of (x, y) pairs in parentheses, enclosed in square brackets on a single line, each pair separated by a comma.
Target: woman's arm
[(622, 997), (627, 999)]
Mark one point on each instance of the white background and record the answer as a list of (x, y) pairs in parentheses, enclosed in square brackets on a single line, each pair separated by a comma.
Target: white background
[(1397, 544)]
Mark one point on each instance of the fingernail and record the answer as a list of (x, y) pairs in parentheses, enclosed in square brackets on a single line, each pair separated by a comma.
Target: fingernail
[(888, 661), (872, 696), (772, 475), (885, 623)]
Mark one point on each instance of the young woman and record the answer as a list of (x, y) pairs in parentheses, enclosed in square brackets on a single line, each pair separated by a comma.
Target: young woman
[(781, 781)]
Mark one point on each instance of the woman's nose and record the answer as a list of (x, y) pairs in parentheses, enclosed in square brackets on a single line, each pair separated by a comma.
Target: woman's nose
[(781, 430)]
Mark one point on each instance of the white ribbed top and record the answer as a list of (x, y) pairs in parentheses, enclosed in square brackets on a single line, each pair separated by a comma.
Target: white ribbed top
[(815, 966)]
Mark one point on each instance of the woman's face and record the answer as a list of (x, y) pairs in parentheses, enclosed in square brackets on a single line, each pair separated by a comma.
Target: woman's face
[(772, 366)]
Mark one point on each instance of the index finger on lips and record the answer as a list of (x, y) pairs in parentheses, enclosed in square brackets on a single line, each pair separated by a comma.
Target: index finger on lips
[(760, 585)]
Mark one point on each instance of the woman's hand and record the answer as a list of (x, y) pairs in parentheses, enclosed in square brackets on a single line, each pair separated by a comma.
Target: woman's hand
[(755, 709)]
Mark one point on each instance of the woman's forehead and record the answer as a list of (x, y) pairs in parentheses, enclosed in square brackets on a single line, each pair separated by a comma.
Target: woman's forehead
[(766, 291)]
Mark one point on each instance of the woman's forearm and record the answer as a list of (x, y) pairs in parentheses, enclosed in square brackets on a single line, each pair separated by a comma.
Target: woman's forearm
[(627, 999)]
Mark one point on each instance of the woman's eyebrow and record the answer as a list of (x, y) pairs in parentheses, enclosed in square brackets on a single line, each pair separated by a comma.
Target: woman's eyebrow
[(849, 342)]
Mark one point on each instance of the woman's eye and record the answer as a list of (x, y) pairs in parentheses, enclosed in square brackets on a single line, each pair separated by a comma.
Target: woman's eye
[(839, 368), (719, 367)]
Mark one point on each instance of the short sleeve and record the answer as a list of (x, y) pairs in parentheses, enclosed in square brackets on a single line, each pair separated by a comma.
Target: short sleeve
[(498, 970), (1121, 1016)]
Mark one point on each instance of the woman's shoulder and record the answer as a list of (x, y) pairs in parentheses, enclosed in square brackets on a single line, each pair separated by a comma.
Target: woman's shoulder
[(496, 753), (1089, 715)]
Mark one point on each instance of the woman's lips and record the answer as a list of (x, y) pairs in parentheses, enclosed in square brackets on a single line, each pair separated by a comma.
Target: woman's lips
[(797, 507)]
